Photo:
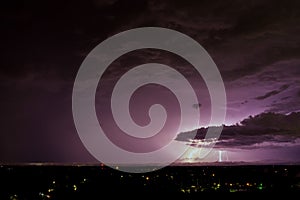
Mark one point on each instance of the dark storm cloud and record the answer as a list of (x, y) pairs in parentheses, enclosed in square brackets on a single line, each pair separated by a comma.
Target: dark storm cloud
[(242, 37), (262, 141), (286, 73), (244, 141), (243, 32), (284, 98), (298, 93), (102, 3), (45, 42), (57, 36), (264, 129), (272, 93)]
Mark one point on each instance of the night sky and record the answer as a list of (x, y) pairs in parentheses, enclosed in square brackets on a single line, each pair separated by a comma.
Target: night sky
[(255, 44)]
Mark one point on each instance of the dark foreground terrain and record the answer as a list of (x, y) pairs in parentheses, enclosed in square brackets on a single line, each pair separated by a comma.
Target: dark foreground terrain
[(91, 182)]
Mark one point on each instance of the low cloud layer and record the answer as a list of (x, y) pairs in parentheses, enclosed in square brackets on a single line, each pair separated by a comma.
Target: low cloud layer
[(264, 130)]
